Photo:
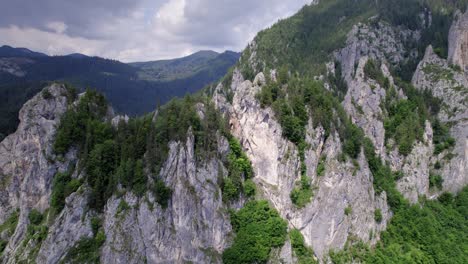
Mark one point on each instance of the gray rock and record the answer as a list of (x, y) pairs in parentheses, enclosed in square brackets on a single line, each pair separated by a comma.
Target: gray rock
[(458, 41), (277, 170), (194, 228), (450, 85), (26, 167)]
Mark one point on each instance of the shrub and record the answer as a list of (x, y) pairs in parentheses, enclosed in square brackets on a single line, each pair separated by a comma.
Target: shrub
[(301, 196), (435, 181), (162, 193), (258, 228), (96, 224), (372, 71), (87, 250), (35, 217), (10, 223), (249, 188), (3, 244), (46, 94), (348, 210), (122, 207), (62, 186), (239, 167), (230, 191), (378, 215), (302, 252), (321, 166)]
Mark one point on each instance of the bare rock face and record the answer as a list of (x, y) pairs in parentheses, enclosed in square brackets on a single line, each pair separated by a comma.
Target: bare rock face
[(276, 164), (450, 84), (458, 41), (193, 228), (378, 42), (415, 167), (363, 101), (365, 98), (71, 225), (26, 171)]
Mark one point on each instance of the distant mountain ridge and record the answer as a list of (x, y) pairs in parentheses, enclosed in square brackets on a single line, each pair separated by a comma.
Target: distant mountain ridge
[(8, 51), (132, 89), (168, 70)]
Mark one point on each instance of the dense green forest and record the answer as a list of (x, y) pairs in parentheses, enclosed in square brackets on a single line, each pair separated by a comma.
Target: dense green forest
[(306, 41), (433, 232)]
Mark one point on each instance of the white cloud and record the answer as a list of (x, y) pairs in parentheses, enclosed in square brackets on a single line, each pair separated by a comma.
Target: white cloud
[(145, 29), (52, 43), (57, 26)]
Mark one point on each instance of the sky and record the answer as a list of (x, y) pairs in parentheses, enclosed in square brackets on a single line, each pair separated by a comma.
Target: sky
[(137, 30)]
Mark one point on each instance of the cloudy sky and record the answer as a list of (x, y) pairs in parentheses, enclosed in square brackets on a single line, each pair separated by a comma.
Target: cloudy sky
[(137, 30)]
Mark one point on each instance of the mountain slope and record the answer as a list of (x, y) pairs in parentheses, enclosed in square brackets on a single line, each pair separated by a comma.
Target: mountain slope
[(7, 51), (275, 164)]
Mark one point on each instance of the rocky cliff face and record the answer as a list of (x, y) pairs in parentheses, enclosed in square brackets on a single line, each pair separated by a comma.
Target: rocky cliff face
[(323, 222), (194, 227), (451, 85), (26, 166), (458, 41)]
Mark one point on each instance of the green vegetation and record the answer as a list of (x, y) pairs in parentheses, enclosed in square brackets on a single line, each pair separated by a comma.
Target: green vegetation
[(3, 244), (62, 186), (118, 156), (301, 196), (291, 98), (405, 125), (321, 166), (305, 41), (372, 71), (239, 168), (290, 103), (384, 178), (123, 206), (435, 181), (304, 254), (96, 224), (378, 215), (432, 233), (249, 188), (348, 210), (35, 217), (406, 119), (8, 228), (162, 193), (441, 137), (438, 73), (10, 223), (78, 123), (37, 231), (258, 228), (87, 250), (46, 94)]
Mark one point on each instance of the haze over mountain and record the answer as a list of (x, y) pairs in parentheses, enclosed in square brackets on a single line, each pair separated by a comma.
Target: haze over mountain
[(340, 135)]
